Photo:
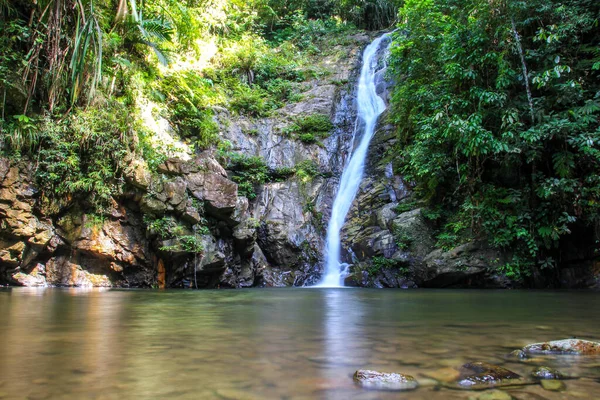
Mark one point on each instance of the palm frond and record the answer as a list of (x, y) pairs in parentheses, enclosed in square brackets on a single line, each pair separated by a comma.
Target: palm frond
[(161, 30), (160, 53), (87, 45)]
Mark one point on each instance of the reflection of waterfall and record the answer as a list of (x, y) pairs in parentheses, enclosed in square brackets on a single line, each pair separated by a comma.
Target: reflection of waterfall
[(344, 336), (369, 106)]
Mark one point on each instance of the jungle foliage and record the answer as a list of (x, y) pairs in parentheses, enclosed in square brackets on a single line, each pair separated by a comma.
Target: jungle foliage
[(74, 72), (498, 106)]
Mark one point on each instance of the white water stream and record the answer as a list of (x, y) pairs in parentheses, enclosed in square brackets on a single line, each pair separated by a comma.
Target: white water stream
[(369, 107)]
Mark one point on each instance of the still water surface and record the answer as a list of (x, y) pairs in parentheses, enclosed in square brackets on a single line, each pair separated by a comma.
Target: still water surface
[(277, 343)]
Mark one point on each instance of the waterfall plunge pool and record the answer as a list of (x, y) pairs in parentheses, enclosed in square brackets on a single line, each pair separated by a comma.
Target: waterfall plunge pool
[(278, 343)]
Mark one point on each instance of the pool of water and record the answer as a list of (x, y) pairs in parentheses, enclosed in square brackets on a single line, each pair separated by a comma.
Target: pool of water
[(278, 343)]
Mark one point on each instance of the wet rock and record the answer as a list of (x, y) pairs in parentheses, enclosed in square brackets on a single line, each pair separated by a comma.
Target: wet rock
[(546, 373), (553, 385), (518, 354), (564, 346), (384, 381), (477, 374)]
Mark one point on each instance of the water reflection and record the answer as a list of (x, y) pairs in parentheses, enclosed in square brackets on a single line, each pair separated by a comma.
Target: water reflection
[(269, 344)]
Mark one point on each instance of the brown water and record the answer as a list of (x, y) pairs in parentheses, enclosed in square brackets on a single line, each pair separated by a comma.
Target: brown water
[(277, 343)]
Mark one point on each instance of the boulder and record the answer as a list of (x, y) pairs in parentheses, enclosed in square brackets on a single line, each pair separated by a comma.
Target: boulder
[(137, 173), (553, 385), (564, 346), (384, 381), (466, 265), (62, 271), (481, 374), (546, 373)]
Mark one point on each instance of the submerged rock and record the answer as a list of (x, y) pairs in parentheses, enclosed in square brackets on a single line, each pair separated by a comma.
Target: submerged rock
[(553, 385), (446, 374), (484, 374), (546, 373), (564, 346), (494, 395), (520, 354), (384, 381)]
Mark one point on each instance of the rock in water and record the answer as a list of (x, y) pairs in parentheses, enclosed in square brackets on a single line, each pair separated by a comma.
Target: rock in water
[(485, 374), (494, 395), (565, 346), (384, 381), (546, 373), (553, 385), (520, 354)]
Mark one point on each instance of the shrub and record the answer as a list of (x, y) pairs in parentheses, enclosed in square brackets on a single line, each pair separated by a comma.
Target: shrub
[(248, 172), (311, 128), (379, 263)]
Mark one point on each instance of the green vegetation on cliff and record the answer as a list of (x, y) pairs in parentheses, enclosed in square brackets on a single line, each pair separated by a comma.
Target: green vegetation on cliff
[(77, 75), (497, 105)]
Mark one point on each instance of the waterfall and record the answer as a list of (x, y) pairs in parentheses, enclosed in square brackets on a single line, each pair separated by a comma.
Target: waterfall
[(369, 107)]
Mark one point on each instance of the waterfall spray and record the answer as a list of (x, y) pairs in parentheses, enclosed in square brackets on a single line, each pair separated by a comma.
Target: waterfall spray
[(369, 107)]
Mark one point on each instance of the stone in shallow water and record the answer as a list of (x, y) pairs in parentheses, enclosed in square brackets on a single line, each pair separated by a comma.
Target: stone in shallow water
[(384, 381), (546, 373), (565, 346), (553, 385), (444, 374), (520, 354), (494, 395), (482, 373)]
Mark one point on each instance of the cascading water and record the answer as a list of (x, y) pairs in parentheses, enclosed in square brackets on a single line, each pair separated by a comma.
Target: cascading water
[(369, 106)]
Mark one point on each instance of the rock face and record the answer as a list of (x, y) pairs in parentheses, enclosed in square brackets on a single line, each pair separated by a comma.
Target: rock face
[(565, 346), (387, 223), (185, 224), (384, 381)]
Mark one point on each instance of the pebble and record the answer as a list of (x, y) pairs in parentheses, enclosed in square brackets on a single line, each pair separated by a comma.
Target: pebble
[(553, 385)]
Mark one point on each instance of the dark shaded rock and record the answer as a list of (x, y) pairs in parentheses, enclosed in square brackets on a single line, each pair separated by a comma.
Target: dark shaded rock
[(384, 381), (546, 373), (477, 374), (465, 265), (564, 346)]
